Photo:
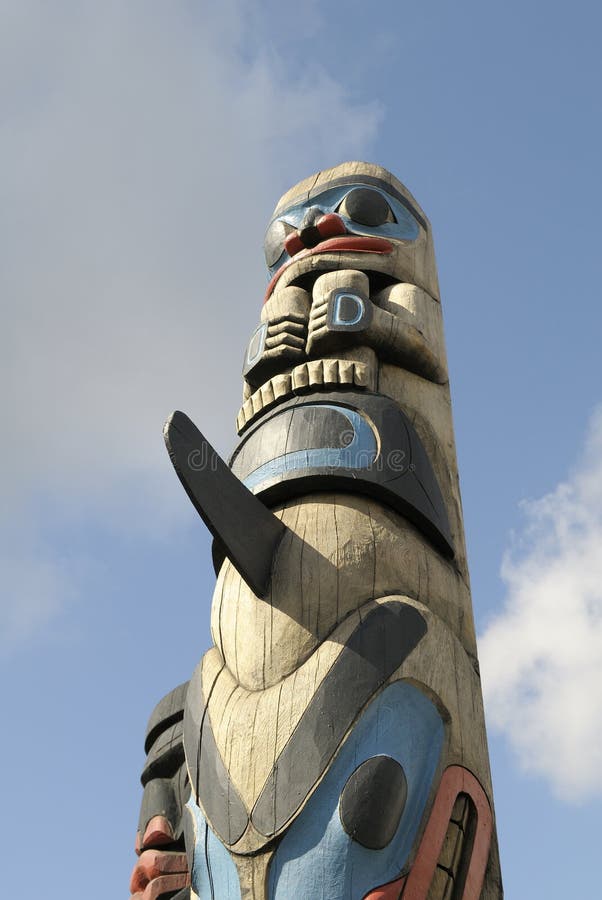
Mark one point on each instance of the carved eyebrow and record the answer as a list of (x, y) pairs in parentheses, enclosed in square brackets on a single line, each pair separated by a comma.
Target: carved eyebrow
[(357, 180)]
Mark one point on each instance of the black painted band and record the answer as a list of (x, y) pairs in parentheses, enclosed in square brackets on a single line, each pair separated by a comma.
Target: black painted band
[(377, 647), (210, 780)]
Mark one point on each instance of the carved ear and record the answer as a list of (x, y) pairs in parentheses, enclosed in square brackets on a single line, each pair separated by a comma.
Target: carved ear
[(246, 529)]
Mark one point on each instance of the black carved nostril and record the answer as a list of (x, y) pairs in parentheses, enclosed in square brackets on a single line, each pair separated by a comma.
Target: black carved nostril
[(309, 236), (308, 233)]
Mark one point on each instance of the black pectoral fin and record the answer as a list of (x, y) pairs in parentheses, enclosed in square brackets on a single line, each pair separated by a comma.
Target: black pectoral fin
[(247, 530)]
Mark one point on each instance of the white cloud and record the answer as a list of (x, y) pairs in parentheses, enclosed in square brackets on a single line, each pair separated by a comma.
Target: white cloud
[(542, 656), (143, 146)]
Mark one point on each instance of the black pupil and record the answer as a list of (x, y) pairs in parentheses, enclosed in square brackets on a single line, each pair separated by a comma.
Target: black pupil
[(366, 207)]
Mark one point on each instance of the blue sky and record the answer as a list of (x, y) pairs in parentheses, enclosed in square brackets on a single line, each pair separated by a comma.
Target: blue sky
[(143, 146)]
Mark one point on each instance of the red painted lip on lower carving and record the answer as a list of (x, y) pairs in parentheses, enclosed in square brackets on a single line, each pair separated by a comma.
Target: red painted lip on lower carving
[(352, 244)]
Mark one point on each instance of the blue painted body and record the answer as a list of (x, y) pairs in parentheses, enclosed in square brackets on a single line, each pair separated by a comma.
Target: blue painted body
[(316, 858), (213, 875)]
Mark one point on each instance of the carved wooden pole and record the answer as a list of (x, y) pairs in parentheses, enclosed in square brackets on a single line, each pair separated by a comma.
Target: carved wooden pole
[(332, 743)]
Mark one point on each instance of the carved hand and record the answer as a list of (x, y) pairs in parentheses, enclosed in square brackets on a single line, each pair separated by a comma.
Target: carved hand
[(278, 343), (338, 318), (274, 346)]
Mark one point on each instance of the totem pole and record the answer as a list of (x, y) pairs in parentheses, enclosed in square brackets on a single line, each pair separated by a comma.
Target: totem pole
[(331, 744)]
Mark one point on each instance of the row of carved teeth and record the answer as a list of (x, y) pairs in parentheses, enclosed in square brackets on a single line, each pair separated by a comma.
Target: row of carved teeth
[(319, 374)]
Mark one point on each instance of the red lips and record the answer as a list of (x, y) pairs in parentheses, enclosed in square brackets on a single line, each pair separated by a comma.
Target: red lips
[(323, 228), (344, 243)]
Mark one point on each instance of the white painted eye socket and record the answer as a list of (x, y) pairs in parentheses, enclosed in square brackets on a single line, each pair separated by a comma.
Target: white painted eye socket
[(274, 241), (366, 207)]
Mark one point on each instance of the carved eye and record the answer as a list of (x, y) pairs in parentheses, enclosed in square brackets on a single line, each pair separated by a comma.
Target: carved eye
[(274, 241), (372, 802), (366, 207)]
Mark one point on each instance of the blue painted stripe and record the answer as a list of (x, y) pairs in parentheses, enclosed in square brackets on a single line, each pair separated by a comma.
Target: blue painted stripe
[(360, 453), (214, 875)]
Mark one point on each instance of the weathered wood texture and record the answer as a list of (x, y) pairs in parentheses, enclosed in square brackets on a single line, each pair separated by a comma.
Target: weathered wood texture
[(334, 735), (416, 261)]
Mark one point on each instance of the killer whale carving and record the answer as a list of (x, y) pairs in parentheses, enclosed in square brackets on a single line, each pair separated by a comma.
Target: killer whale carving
[(332, 741)]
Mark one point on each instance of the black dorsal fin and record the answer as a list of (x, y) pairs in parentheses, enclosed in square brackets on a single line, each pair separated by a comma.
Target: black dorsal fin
[(246, 529)]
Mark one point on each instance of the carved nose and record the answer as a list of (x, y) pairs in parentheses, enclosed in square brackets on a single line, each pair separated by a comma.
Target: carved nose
[(311, 217), (314, 228)]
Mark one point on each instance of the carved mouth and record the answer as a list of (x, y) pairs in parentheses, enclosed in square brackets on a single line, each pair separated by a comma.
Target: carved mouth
[(347, 244), (378, 280), (310, 377)]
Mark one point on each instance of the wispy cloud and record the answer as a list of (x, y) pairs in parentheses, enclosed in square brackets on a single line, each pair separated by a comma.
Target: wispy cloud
[(37, 588), (542, 656), (143, 147)]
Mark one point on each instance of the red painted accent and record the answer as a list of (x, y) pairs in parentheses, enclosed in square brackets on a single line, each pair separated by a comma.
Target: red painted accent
[(153, 865), (336, 244), (165, 884), (351, 243), (330, 225), (161, 886), (138, 844), (456, 780), (390, 891), (293, 243), (158, 833)]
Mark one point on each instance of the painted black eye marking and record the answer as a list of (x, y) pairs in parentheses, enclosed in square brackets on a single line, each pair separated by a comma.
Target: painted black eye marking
[(274, 241), (372, 802), (366, 207)]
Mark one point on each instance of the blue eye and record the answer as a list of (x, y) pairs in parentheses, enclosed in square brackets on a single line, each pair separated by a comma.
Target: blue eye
[(365, 210), (367, 207)]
